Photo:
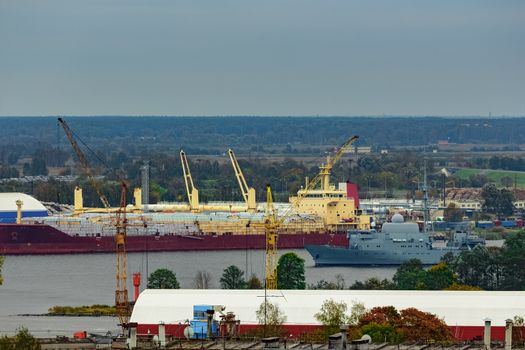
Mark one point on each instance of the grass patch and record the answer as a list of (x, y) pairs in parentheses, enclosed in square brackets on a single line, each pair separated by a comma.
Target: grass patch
[(493, 175)]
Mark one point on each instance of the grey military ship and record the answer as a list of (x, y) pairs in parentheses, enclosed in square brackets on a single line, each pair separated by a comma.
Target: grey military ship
[(397, 242)]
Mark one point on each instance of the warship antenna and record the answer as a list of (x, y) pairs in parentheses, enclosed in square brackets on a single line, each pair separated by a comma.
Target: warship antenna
[(425, 197)]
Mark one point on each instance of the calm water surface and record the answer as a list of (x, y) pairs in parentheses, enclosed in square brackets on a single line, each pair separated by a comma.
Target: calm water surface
[(33, 284)]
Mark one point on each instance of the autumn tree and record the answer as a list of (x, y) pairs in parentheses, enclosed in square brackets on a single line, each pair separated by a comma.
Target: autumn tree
[(290, 272), (270, 317), (163, 279), (254, 283), (381, 324), (452, 213), (416, 325), (380, 315), (439, 277), (232, 278), (386, 323), (332, 315), (462, 287)]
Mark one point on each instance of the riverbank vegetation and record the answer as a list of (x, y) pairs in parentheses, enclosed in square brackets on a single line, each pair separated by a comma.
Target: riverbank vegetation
[(93, 310)]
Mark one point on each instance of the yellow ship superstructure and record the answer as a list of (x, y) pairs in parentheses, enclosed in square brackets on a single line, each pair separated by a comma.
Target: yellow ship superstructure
[(334, 206)]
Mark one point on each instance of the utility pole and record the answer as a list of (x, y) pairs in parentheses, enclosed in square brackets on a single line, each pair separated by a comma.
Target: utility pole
[(145, 184)]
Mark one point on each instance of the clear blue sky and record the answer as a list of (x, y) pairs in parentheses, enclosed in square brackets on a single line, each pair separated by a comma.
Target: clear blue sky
[(262, 57)]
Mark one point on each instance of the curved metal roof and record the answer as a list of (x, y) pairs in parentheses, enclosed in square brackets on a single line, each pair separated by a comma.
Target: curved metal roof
[(8, 202), (460, 308)]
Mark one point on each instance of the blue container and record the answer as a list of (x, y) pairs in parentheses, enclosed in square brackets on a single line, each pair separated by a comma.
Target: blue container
[(508, 223), (484, 224), (200, 322)]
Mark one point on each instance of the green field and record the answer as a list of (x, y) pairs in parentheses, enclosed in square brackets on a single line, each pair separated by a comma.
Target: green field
[(494, 175)]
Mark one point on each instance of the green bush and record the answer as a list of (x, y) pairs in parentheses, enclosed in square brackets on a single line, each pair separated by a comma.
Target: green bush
[(382, 333), (23, 340)]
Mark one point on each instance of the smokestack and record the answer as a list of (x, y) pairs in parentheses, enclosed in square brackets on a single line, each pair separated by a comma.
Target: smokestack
[(352, 192), (209, 314), (508, 334), (136, 284), (486, 334), (132, 340), (344, 330), (162, 335)]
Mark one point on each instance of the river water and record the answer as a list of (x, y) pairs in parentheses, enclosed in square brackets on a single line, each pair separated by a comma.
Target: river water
[(33, 284)]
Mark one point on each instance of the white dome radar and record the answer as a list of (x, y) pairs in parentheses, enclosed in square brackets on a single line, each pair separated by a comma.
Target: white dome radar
[(397, 218)]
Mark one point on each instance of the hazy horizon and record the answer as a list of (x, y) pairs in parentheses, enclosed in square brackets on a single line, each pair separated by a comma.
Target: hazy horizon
[(262, 58)]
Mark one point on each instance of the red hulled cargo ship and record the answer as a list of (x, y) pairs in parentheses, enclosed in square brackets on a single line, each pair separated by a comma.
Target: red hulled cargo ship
[(45, 239), (326, 216)]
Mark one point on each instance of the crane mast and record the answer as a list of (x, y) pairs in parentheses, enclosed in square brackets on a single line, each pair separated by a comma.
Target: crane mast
[(191, 190), (271, 225), (248, 193), (272, 222), (121, 292)]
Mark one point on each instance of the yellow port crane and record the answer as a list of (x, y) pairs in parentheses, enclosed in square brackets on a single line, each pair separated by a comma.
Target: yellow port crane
[(121, 292), (273, 221), (191, 190), (325, 170), (271, 225), (248, 193)]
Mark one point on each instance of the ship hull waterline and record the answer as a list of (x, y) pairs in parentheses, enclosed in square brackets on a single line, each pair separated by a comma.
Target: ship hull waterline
[(44, 239), (328, 255)]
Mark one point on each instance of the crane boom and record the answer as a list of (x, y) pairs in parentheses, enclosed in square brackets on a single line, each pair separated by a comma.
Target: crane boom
[(83, 162), (272, 222), (324, 173), (191, 190), (248, 193)]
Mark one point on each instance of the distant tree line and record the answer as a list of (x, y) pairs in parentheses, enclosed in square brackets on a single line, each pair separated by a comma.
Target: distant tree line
[(42, 138)]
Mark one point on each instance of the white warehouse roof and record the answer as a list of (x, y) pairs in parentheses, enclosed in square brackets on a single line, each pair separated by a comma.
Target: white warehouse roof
[(8, 202), (461, 308)]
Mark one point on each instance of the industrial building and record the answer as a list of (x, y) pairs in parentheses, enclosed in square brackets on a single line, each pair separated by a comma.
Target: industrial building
[(463, 311)]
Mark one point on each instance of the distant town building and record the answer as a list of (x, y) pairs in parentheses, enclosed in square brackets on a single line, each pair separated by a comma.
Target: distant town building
[(470, 198)]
